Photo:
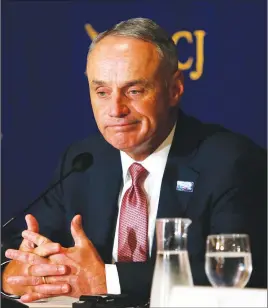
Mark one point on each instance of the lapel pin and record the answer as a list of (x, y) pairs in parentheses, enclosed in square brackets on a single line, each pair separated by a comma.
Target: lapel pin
[(185, 186)]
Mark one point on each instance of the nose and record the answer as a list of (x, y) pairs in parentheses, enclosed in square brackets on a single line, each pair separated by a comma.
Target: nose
[(118, 107)]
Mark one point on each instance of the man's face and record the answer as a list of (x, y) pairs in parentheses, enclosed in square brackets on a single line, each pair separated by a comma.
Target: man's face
[(130, 99)]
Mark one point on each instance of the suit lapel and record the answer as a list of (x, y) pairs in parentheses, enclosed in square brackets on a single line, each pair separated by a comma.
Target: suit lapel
[(172, 202), (179, 168)]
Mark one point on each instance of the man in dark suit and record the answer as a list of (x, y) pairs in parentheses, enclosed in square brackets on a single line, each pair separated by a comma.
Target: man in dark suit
[(147, 144)]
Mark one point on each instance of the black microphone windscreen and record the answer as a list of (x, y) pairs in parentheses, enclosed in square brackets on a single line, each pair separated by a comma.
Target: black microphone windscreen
[(82, 162)]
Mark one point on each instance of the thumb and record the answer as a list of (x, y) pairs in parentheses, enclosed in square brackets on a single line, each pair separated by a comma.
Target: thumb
[(78, 232), (32, 225)]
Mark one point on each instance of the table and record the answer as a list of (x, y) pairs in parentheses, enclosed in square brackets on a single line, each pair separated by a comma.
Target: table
[(187, 297)]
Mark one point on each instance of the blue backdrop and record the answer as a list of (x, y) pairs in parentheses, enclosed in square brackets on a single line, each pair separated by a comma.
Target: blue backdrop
[(45, 102)]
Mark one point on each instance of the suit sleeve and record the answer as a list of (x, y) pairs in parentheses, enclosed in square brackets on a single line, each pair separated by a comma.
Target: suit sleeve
[(135, 279), (240, 206)]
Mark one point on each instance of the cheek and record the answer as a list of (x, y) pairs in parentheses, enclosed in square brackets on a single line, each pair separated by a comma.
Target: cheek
[(99, 111), (148, 110)]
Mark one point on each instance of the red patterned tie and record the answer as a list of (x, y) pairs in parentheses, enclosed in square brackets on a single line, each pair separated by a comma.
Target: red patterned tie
[(133, 221)]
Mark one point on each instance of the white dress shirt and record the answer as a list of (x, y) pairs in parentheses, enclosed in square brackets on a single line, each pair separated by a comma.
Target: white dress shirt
[(155, 164)]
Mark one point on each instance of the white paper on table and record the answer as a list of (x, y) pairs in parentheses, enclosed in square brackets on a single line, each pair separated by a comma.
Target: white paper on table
[(54, 302)]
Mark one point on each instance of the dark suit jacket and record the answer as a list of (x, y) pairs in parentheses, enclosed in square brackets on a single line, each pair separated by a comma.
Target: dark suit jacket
[(229, 172)]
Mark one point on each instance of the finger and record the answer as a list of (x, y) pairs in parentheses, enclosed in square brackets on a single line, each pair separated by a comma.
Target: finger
[(48, 269), (37, 280), (48, 249), (46, 291), (70, 279), (25, 257), (77, 231), (27, 298), (36, 238), (55, 289), (32, 225), (25, 280)]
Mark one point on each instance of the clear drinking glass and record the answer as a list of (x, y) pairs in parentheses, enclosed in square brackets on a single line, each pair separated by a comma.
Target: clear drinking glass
[(172, 267), (228, 260)]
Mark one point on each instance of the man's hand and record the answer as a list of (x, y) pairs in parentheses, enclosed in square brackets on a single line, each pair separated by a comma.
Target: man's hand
[(29, 262), (86, 269)]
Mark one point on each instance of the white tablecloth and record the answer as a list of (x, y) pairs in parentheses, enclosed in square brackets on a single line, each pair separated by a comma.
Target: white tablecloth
[(187, 297), (218, 297)]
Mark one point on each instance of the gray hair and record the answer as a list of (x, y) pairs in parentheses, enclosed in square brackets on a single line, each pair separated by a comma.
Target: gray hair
[(147, 30)]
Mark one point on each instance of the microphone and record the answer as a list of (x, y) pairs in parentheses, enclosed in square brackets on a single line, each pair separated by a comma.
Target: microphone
[(79, 164)]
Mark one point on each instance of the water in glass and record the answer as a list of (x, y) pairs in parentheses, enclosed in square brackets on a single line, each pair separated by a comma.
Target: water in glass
[(172, 267), (228, 261)]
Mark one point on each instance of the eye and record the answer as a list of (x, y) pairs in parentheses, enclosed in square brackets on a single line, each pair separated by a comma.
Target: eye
[(101, 94), (135, 92)]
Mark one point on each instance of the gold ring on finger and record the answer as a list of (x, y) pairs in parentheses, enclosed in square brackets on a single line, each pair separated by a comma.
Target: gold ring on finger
[(44, 280)]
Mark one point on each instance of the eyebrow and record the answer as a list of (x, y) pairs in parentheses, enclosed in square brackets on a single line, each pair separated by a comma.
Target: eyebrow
[(130, 83)]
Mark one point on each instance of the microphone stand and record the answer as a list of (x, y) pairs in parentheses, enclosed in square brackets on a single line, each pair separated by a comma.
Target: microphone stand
[(38, 198)]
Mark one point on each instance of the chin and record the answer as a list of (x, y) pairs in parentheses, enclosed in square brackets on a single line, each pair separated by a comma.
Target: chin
[(125, 146), (123, 141)]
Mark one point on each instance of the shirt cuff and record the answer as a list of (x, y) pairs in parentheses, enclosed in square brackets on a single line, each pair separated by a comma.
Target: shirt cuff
[(112, 279)]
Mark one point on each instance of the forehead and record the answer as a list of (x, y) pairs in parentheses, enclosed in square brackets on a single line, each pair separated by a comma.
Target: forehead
[(121, 58)]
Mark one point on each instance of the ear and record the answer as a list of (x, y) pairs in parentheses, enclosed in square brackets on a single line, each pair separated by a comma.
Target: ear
[(176, 88)]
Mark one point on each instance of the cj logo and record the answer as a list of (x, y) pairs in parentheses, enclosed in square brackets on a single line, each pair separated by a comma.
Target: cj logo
[(196, 64)]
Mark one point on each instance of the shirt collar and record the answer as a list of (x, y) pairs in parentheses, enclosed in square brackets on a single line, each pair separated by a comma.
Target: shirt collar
[(157, 158)]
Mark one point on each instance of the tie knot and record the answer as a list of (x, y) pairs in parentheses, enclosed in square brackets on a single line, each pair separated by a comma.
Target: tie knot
[(137, 172)]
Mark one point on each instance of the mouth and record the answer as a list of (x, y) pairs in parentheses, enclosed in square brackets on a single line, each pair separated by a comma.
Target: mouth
[(123, 126)]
